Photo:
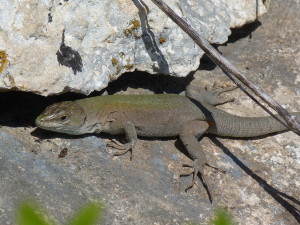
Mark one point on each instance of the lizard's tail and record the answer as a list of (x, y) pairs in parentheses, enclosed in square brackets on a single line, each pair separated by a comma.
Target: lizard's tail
[(236, 126)]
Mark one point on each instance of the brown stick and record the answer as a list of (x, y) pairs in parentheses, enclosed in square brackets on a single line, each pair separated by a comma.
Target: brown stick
[(228, 67)]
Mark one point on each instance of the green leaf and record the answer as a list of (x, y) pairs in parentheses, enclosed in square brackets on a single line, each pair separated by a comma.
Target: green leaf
[(28, 214), (88, 215), (222, 218)]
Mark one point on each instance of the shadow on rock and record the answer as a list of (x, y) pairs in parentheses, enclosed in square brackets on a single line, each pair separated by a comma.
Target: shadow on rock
[(277, 195)]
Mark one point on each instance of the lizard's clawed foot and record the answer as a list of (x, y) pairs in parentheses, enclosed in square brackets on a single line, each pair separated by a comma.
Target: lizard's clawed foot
[(198, 168), (122, 148), (116, 144), (194, 172), (209, 95), (212, 96)]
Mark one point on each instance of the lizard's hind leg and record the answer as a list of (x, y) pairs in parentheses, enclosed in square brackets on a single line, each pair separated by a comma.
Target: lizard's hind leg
[(189, 136), (211, 97)]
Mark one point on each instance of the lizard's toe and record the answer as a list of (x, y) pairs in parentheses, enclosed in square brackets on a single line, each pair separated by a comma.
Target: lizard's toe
[(209, 95), (197, 169), (187, 173), (126, 148), (116, 144)]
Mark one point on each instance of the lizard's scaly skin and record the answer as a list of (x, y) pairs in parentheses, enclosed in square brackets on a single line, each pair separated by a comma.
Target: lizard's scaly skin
[(162, 115)]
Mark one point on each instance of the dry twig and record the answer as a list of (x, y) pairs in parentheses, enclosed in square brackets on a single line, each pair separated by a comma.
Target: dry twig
[(229, 68)]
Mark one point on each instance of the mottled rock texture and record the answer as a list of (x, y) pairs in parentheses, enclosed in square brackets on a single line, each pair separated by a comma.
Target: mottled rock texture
[(104, 39), (262, 182)]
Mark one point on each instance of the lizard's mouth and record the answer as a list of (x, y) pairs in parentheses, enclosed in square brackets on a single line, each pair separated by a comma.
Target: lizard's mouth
[(39, 121), (42, 123)]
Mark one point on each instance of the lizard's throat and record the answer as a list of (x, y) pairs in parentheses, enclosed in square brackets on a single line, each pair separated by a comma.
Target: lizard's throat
[(91, 127)]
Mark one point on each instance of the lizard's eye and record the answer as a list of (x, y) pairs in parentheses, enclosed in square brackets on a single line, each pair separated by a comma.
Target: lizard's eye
[(63, 118)]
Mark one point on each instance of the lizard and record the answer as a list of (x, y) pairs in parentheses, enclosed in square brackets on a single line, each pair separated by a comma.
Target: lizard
[(159, 115)]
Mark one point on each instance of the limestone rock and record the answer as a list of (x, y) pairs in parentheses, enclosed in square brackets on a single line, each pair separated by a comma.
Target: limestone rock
[(104, 39), (261, 184)]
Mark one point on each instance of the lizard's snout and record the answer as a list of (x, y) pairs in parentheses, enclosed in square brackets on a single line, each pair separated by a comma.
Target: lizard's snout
[(39, 120)]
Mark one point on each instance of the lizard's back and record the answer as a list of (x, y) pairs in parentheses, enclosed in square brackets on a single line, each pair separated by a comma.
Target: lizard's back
[(160, 115), (151, 115), (163, 115)]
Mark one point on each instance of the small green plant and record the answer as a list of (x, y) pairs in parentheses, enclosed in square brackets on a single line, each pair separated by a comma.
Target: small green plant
[(90, 214), (29, 214), (222, 218)]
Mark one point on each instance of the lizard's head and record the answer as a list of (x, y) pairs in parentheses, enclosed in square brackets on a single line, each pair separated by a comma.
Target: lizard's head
[(64, 117)]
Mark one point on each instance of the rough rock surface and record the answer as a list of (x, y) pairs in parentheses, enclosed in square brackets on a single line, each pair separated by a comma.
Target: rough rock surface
[(104, 39), (262, 182)]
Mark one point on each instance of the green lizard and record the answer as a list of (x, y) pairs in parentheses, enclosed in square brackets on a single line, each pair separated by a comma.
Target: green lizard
[(160, 115)]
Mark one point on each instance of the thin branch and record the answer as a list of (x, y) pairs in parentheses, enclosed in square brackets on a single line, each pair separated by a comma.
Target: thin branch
[(228, 67)]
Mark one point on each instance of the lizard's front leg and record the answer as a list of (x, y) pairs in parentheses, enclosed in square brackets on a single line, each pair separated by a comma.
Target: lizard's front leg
[(189, 136), (128, 128)]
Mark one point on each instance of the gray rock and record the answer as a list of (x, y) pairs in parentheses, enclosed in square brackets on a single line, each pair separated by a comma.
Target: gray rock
[(104, 39), (26, 175), (261, 185)]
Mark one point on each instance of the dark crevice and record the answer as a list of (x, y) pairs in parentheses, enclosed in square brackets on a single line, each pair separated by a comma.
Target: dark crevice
[(19, 109), (236, 34), (66, 56), (158, 84), (50, 18), (243, 32)]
